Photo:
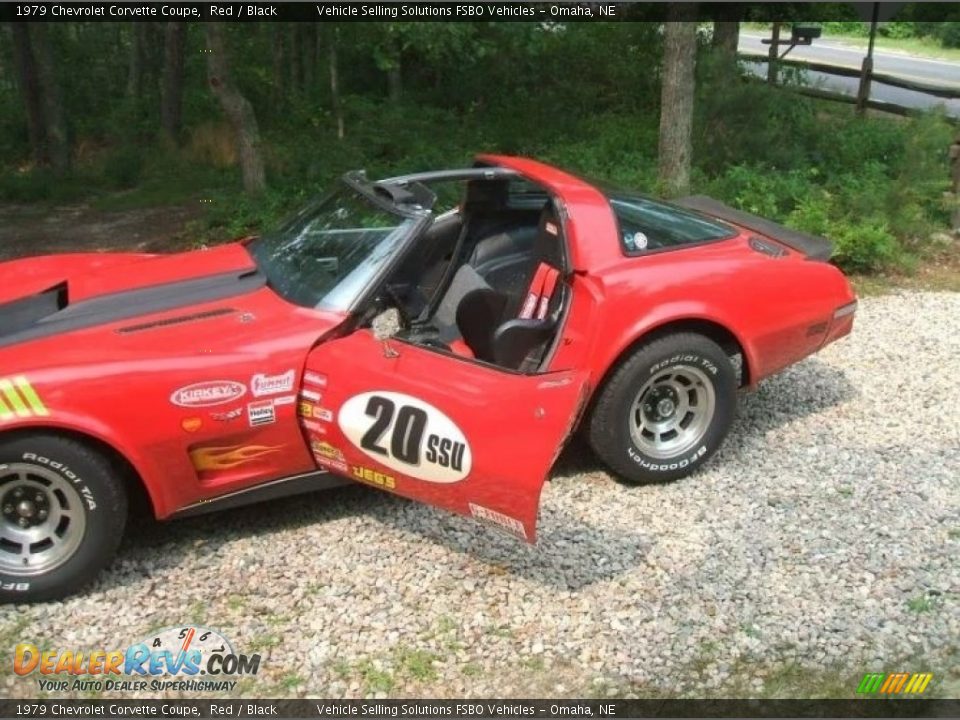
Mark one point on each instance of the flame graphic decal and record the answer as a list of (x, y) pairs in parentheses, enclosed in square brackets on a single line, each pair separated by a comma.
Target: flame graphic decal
[(211, 459)]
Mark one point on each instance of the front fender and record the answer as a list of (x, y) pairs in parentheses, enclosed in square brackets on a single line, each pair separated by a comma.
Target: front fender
[(67, 422)]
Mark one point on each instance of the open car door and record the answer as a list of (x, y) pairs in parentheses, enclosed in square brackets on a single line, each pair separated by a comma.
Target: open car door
[(442, 430)]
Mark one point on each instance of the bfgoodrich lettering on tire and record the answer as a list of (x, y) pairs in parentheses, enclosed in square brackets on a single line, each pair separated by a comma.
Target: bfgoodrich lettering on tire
[(665, 410), (62, 512)]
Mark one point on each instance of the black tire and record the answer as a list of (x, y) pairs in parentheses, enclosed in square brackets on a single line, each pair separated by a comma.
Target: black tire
[(57, 477), (611, 429)]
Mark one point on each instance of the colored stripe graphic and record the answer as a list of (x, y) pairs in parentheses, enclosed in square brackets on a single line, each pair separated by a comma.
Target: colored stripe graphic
[(871, 683), (19, 399), (13, 398), (918, 683), (894, 683), (31, 396)]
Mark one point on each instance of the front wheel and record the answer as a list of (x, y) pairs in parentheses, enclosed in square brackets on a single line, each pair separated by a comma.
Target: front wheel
[(665, 410), (62, 512)]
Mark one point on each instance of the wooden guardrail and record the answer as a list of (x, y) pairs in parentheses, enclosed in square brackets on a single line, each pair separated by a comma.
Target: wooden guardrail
[(944, 91)]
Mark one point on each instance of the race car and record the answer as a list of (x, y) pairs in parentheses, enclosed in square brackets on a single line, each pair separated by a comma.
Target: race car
[(439, 335)]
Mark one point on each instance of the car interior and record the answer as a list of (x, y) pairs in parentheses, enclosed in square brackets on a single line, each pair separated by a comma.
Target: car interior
[(485, 281)]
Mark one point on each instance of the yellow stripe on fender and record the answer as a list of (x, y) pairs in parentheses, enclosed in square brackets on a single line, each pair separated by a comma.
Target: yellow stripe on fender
[(14, 399), (19, 399), (30, 394)]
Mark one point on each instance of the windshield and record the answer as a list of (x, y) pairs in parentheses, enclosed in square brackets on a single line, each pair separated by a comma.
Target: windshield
[(329, 253)]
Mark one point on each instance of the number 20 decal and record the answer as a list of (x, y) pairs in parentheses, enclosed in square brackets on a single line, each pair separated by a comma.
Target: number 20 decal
[(407, 435)]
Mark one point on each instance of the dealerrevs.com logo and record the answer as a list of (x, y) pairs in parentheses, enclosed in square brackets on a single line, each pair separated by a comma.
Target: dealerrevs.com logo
[(180, 658)]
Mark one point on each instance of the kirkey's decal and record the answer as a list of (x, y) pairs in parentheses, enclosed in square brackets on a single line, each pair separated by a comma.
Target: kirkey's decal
[(262, 384), (208, 393), (18, 399), (408, 435)]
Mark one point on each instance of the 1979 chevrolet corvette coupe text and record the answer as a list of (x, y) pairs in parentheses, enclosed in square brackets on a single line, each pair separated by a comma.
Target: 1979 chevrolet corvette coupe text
[(438, 335)]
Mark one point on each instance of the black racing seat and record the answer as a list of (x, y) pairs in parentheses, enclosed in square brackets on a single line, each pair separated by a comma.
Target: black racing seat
[(496, 335), (504, 330)]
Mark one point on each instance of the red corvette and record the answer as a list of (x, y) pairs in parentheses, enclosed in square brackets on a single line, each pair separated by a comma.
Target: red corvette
[(438, 335)]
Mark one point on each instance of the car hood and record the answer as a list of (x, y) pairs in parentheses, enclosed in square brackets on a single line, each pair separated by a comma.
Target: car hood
[(87, 275), (52, 295)]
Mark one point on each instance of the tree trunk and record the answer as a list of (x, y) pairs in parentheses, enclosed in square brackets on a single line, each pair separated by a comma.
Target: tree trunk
[(296, 74), (171, 97), (30, 91), (395, 81), (726, 37), (237, 109), (333, 41), (278, 55), (138, 52), (309, 53), (52, 100), (676, 99)]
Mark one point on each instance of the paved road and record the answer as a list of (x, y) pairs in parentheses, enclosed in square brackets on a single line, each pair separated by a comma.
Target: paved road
[(941, 72)]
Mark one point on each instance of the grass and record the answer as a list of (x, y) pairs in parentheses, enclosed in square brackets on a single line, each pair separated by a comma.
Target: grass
[(920, 604), (471, 670), (376, 679), (535, 664), (418, 664), (264, 642)]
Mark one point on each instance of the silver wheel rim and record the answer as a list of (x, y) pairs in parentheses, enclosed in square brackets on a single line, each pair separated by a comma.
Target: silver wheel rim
[(41, 519), (672, 412)]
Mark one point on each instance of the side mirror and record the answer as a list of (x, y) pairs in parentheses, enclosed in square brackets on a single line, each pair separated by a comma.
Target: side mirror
[(385, 326)]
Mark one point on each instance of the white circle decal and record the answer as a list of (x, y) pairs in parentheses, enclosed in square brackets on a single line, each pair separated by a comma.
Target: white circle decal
[(407, 435)]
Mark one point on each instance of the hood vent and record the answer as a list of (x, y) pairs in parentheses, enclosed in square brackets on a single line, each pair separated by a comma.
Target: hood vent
[(27, 311), (179, 320)]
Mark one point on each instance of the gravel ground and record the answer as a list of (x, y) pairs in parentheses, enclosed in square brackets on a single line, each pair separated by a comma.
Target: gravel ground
[(821, 543)]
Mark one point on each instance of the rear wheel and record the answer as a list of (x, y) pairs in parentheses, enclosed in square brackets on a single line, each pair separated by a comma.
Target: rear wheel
[(62, 512), (665, 410)]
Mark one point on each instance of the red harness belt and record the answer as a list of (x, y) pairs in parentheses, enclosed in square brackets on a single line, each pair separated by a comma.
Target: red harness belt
[(541, 290)]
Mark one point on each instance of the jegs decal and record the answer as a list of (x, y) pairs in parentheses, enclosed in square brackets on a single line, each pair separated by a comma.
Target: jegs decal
[(408, 435)]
